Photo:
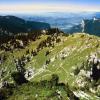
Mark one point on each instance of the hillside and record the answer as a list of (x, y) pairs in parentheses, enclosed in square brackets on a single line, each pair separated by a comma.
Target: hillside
[(51, 65), (12, 25)]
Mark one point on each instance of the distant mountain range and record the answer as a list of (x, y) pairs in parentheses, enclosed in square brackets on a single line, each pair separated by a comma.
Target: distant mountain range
[(65, 21), (12, 24)]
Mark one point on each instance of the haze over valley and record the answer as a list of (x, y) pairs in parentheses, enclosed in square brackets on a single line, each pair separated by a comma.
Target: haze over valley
[(63, 20)]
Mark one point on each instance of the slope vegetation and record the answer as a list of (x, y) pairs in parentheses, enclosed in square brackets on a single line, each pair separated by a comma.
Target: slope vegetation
[(46, 56)]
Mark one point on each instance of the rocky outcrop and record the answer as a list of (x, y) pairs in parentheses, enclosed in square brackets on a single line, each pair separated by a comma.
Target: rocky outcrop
[(94, 62), (91, 26)]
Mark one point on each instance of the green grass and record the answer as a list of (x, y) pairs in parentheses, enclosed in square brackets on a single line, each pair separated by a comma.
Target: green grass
[(29, 92), (63, 71)]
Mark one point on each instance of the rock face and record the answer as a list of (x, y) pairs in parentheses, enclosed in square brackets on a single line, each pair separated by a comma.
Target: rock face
[(12, 24), (91, 26), (95, 67), (89, 72), (87, 26)]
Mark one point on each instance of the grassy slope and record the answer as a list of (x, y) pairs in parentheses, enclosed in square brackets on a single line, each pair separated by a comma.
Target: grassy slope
[(63, 67), (79, 47)]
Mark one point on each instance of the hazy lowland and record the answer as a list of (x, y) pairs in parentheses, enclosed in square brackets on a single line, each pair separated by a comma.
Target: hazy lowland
[(50, 56)]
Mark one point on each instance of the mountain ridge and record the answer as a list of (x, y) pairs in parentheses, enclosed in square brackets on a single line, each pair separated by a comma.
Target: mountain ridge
[(16, 25)]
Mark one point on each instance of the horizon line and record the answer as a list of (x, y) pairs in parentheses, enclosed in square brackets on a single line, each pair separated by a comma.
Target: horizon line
[(48, 8)]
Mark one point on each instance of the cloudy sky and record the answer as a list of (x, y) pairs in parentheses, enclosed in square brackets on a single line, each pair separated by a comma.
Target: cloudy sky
[(49, 5)]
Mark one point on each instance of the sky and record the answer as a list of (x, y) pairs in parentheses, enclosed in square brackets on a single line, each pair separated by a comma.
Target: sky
[(27, 6)]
